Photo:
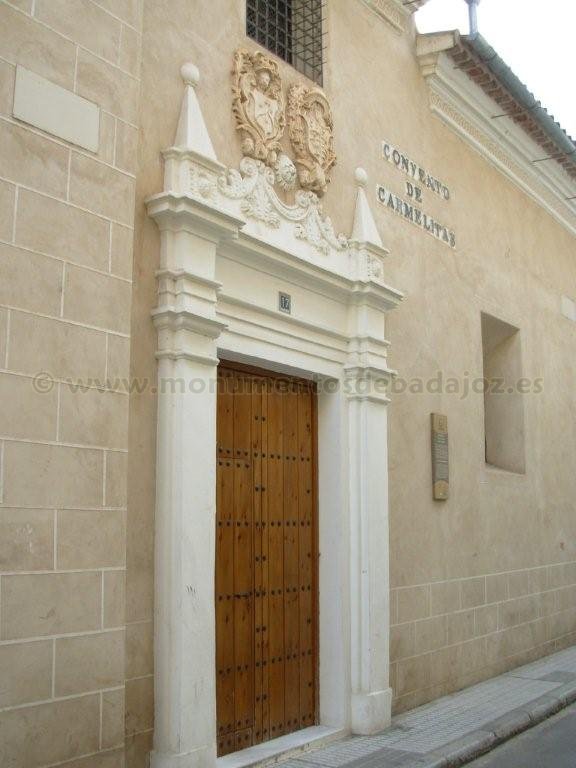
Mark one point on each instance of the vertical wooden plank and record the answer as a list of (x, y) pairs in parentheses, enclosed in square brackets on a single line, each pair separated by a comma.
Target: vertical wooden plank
[(257, 459), (291, 559), (243, 557), (315, 553), (275, 626), (265, 564), (307, 532), (224, 577)]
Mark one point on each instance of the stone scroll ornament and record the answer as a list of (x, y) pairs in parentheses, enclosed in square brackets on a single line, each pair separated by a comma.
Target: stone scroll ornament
[(253, 185), (311, 131), (258, 105)]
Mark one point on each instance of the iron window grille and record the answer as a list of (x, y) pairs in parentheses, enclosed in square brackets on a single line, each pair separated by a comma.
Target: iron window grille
[(292, 29)]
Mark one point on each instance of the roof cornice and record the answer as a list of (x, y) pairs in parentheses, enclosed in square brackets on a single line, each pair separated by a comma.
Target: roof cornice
[(474, 56), (397, 13), (463, 104), (413, 5)]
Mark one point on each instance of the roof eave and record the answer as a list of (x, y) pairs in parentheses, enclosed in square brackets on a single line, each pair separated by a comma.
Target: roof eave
[(482, 65), (519, 91)]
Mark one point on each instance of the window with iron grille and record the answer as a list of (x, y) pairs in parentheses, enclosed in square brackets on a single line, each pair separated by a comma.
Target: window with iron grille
[(292, 29)]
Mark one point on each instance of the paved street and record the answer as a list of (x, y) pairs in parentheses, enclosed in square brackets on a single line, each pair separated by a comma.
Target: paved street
[(454, 729), (552, 744)]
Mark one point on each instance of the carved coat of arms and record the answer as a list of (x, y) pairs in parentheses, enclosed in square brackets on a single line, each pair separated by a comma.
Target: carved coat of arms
[(310, 127), (258, 105)]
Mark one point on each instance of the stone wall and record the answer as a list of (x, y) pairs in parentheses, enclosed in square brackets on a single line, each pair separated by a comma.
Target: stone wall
[(451, 634), (66, 230), (481, 583), (512, 260)]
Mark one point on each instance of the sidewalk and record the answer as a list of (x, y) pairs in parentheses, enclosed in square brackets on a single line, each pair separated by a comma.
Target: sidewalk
[(455, 729)]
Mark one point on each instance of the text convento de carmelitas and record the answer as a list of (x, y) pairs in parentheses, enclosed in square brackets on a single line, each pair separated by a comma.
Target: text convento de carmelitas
[(421, 180)]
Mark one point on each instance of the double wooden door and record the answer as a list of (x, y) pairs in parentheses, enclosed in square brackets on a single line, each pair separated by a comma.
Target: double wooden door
[(266, 555)]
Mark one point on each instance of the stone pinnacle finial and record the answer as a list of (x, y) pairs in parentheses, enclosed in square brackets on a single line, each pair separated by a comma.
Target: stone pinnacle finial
[(190, 74), (361, 177), (364, 229), (192, 133)]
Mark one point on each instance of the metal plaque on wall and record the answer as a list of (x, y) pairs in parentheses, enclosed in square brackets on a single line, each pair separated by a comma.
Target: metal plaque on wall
[(440, 465)]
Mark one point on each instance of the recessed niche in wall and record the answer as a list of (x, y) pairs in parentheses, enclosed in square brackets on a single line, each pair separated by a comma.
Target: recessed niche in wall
[(503, 398)]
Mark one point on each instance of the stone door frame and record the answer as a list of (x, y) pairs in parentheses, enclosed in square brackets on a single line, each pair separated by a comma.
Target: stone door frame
[(219, 270)]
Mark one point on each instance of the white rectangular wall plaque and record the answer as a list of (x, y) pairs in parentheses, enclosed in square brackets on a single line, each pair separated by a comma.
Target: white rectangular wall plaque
[(56, 110)]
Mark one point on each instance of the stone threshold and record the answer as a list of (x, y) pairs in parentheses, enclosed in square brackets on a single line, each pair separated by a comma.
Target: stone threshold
[(283, 748)]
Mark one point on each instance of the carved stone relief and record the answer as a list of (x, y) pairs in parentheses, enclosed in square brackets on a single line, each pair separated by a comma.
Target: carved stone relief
[(202, 185), (253, 185), (260, 112), (286, 174), (258, 105), (311, 131)]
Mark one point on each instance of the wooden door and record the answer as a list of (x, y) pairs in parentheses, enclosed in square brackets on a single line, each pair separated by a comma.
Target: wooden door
[(266, 555)]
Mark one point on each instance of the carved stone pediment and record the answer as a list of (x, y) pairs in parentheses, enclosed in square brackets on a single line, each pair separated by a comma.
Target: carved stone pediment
[(258, 105), (253, 186), (311, 131)]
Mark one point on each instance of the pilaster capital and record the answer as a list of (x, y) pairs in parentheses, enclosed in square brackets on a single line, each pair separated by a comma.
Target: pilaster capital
[(185, 317), (185, 335), (165, 318), (179, 212), (368, 383), (375, 294)]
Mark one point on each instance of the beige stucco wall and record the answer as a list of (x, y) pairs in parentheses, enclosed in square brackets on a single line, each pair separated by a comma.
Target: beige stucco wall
[(66, 218), (487, 579), (481, 582)]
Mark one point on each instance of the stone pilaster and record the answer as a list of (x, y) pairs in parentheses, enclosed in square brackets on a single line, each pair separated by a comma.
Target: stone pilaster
[(192, 228)]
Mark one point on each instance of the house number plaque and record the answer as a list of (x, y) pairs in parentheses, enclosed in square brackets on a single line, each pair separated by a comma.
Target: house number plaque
[(440, 465), (285, 303)]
